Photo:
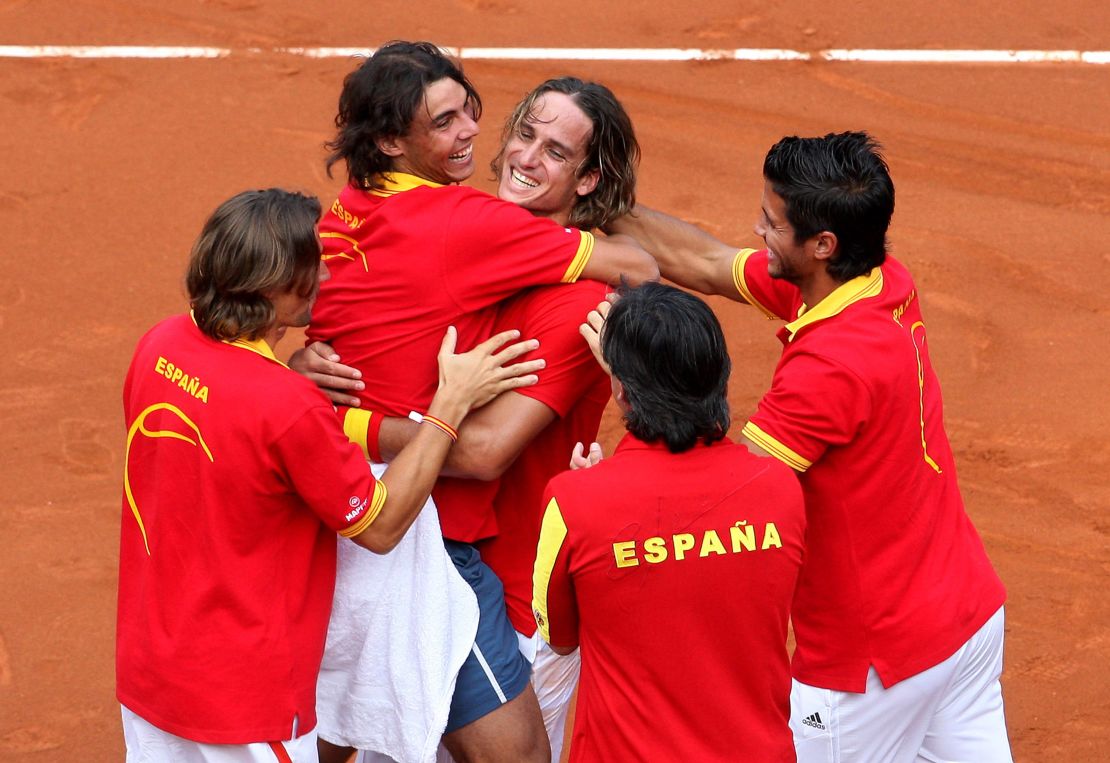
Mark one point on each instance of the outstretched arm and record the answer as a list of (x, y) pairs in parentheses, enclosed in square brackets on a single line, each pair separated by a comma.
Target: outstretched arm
[(685, 253), (615, 257)]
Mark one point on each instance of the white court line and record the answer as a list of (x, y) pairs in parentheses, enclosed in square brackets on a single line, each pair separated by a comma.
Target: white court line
[(588, 54), (108, 51)]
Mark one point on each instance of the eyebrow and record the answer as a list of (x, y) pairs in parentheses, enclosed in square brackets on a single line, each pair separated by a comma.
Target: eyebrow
[(444, 113), (531, 120)]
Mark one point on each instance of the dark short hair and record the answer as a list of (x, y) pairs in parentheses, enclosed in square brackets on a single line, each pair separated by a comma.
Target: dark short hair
[(666, 348), (613, 149), (379, 100), (839, 183), (256, 243)]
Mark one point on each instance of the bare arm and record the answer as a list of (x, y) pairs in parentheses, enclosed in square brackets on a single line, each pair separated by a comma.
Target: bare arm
[(616, 257), (465, 381), (489, 441), (686, 254)]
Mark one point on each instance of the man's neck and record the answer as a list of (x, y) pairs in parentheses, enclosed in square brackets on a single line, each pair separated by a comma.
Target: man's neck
[(817, 286), (272, 336), (562, 216)]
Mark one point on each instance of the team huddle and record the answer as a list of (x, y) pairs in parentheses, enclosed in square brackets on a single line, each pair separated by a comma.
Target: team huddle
[(378, 549)]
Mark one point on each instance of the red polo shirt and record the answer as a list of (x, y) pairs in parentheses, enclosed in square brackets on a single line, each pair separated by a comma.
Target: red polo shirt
[(577, 390), (411, 259), (895, 575), (675, 573), (237, 477)]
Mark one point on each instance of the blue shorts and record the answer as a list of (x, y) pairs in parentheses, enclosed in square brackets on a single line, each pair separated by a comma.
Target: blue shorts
[(495, 671)]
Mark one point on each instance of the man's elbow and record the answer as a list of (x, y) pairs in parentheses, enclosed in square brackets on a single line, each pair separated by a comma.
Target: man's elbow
[(563, 650), (480, 458), (380, 543), (643, 269)]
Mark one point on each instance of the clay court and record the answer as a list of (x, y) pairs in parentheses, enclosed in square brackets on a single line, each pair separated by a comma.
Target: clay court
[(1003, 214)]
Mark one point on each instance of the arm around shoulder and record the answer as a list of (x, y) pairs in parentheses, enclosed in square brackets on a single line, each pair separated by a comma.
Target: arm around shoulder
[(685, 253), (619, 257)]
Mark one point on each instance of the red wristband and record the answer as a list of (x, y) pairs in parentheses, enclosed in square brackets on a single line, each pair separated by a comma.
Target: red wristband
[(373, 427)]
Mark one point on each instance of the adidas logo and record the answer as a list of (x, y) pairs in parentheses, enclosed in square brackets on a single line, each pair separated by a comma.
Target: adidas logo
[(814, 721)]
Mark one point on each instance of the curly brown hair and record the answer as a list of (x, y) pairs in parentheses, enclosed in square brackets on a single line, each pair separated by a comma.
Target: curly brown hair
[(379, 100)]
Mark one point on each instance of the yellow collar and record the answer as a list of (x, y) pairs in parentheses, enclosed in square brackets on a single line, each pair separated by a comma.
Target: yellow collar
[(254, 345), (841, 297), (392, 183)]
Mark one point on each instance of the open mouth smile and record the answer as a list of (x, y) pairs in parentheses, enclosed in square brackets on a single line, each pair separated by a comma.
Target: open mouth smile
[(523, 180)]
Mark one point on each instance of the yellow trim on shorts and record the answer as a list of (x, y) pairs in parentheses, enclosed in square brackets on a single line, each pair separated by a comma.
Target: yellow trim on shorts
[(776, 448), (581, 257), (553, 532), (741, 283), (377, 502)]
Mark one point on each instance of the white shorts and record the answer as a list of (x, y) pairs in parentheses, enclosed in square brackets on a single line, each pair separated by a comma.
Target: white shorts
[(146, 743), (950, 712), (554, 678)]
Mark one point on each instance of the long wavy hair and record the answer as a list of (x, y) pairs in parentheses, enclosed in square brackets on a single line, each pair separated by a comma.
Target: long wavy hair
[(255, 244), (613, 149)]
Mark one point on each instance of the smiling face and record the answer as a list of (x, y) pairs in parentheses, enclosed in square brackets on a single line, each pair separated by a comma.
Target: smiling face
[(439, 143), (543, 155), (786, 257)]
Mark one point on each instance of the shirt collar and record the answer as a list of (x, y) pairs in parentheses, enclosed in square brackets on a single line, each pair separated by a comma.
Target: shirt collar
[(393, 183), (259, 346), (632, 442), (848, 293)]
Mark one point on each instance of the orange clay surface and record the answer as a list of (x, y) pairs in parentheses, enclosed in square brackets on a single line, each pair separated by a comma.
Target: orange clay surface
[(1003, 214)]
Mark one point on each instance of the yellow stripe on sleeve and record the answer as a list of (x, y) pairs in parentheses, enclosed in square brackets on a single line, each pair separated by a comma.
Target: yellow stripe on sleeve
[(355, 423), (741, 283), (553, 532), (578, 264), (776, 448), (377, 502)]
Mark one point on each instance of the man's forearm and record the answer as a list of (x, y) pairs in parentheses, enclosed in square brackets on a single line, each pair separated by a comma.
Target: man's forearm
[(686, 254)]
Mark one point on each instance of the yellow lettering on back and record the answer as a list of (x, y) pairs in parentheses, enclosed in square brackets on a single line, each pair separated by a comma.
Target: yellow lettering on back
[(711, 544), (771, 537), (743, 535), (625, 553), (655, 550), (683, 542)]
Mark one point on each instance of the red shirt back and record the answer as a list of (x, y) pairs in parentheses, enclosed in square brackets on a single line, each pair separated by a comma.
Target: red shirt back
[(895, 575), (237, 478), (675, 573)]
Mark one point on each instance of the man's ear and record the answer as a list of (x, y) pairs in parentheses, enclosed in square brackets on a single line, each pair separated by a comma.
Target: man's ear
[(618, 394), (824, 245), (587, 183), (390, 146)]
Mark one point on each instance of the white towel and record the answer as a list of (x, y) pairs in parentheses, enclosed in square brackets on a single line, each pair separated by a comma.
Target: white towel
[(401, 626)]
